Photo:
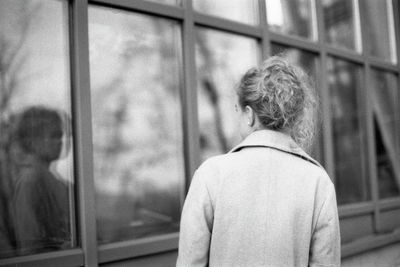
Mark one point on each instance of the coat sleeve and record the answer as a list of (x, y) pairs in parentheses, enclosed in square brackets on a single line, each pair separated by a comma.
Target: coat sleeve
[(27, 227), (325, 242), (196, 224)]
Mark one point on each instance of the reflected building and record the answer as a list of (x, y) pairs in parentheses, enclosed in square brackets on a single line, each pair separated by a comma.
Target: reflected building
[(145, 92)]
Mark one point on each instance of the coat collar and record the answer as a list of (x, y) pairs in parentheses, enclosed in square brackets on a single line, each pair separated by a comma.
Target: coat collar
[(275, 140)]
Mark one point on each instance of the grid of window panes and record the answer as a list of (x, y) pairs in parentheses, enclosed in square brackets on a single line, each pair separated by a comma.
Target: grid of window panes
[(140, 91)]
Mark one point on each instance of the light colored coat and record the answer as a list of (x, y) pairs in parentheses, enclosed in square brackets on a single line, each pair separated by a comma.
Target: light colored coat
[(266, 203)]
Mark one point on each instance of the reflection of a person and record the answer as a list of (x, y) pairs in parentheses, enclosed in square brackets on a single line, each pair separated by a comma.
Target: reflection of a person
[(40, 200)]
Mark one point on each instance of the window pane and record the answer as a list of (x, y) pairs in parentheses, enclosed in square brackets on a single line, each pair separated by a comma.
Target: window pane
[(341, 23), (308, 62), (292, 17), (245, 11), (344, 82), (36, 157), (137, 128), (385, 106), (221, 60), (388, 184), (379, 27)]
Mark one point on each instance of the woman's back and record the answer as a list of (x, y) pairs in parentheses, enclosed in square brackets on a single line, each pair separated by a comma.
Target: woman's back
[(266, 203)]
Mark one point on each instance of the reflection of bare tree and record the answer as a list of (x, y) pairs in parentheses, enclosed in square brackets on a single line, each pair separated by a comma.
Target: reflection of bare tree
[(293, 8), (12, 53), (138, 95), (14, 32), (211, 91), (115, 119)]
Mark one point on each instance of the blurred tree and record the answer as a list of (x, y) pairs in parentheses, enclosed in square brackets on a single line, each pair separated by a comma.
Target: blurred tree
[(13, 50)]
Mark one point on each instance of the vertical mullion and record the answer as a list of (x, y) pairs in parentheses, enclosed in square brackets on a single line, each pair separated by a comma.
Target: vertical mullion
[(83, 130), (265, 40), (189, 96), (396, 38), (371, 146), (323, 84), (369, 123)]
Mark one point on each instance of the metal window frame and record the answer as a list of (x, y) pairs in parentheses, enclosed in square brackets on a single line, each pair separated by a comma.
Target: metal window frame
[(91, 254)]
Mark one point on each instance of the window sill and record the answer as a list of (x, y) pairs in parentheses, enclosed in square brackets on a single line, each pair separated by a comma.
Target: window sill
[(73, 257), (134, 248), (369, 243)]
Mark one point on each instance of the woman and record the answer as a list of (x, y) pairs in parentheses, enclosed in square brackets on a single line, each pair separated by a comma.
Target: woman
[(266, 202)]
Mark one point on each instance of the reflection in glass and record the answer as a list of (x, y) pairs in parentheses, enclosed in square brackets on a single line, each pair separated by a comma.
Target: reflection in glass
[(36, 157), (292, 17), (385, 107), (341, 23), (385, 103), (221, 60), (379, 26), (308, 62), (245, 11), (344, 83), (137, 127), (389, 186)]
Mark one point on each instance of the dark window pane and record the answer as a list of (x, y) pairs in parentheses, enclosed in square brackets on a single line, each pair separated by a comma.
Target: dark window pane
[(221, 59), (137, 128), (389, 184), (292, 17), (344, 84), (385, 107), (308, 62), (341, 23), (385, 104), (237, 10), (379, 26), (36, 157)]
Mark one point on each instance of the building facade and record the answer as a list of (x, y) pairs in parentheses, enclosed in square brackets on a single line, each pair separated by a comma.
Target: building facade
[(143, 92)]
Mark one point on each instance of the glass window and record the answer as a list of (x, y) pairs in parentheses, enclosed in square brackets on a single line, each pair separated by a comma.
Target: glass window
[(292, 17), (385, 106), (344, 80), (222, 59), (385, 103), (379, 26), (342, 23), (308, 62), (389, 183), (135, 64), (245, 11), (36, 157)]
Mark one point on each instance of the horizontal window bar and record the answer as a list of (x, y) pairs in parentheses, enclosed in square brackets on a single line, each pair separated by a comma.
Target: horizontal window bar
[(294, 42), (345, 54), (73, 257), (383, 65), (134, 248), (369, 243), (168, 11), (388, 204), (227, 25), (352, 210)]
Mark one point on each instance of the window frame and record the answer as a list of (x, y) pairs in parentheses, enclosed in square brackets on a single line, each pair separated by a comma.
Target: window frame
[(90, 253)]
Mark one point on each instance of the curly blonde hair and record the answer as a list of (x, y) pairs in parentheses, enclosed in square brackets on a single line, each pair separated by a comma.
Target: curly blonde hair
[(282, 97)]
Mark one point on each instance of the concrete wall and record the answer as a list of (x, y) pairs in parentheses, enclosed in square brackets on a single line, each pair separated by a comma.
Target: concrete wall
[(384, 257)]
